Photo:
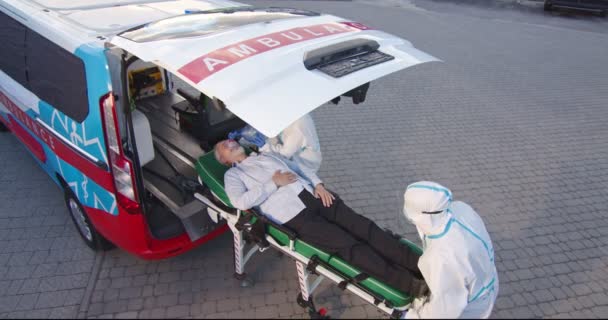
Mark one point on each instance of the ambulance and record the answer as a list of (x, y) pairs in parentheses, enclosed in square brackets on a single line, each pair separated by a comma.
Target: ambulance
[(118, 100)]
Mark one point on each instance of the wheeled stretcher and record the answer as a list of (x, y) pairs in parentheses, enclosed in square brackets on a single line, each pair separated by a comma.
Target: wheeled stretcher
[(310, 261)]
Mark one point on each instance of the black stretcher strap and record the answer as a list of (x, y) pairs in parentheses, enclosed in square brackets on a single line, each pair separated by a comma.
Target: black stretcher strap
[(355, 280), (290, 233), (397, 314), (258, 230), (316, 261), (312, 264)]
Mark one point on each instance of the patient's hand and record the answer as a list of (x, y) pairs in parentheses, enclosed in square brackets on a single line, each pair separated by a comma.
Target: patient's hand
[(283, 178), (326, 197)]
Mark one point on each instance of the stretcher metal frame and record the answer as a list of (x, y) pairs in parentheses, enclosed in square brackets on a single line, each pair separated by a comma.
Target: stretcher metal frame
[(308, 283), (311, 271)]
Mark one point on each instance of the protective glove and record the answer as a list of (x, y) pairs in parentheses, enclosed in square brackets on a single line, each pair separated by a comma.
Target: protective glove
[(253, 136), (234, 135), (258, 139)]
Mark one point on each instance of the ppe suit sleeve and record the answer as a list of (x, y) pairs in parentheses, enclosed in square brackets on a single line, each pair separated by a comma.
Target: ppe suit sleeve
[(304, 172), (293, 140), (242, 198), (449, 295)]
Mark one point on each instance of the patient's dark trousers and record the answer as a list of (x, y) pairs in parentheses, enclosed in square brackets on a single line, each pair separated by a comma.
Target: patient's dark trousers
[(340, 231)]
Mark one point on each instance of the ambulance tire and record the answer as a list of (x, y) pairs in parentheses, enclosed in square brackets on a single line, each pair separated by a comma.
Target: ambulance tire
[(3, 128), (83, 224)]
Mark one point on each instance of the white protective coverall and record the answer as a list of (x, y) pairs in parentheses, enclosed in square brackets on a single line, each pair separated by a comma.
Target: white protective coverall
[(458, 259), (298, 142)]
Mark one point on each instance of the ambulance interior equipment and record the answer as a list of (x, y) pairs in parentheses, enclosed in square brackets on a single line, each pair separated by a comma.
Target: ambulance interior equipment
[(171, 128), (173, 113)]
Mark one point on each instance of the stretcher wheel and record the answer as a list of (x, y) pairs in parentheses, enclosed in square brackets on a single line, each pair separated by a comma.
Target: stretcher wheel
[(312, 310), (301, 302), (321, 314), (245, 280)]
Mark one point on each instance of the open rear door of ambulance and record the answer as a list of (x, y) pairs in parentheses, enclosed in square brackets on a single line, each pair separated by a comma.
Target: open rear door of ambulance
[(270, 66)]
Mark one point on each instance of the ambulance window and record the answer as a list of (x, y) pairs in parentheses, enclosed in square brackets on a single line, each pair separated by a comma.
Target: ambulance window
[(57, 76), (12, 55)]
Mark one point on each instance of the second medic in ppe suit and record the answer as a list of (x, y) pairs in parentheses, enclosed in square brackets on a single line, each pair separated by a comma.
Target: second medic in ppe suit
[(298, 142), (458, 259)]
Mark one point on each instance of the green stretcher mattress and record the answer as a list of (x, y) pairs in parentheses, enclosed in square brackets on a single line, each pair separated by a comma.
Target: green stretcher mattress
[(212, 174)]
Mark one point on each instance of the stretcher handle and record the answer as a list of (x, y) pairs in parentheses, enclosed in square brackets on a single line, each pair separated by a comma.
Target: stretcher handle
[(290, 233), (246, 218)]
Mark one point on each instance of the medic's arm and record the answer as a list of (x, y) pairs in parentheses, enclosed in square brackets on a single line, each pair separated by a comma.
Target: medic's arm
[(449, 295), (293, 140), (304, 172), (243, 198)]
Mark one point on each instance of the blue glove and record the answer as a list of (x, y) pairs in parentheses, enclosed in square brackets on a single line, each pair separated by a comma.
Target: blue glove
[(258, 139), (234, 135)]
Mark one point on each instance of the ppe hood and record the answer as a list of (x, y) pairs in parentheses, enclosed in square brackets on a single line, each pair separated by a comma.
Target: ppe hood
[(270, 70)]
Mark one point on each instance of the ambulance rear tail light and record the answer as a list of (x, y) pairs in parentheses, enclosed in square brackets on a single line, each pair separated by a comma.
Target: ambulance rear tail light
[(122, 167)]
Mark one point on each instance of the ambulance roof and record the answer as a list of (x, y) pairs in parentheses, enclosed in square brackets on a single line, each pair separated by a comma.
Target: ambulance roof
[(72, 23)]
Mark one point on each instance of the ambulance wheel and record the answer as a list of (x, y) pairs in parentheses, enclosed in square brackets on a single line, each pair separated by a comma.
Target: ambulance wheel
[(83, 224), (547, 5), (3, 128)]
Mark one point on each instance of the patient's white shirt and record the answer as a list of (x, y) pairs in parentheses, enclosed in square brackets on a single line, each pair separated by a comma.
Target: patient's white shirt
[(249, 184)]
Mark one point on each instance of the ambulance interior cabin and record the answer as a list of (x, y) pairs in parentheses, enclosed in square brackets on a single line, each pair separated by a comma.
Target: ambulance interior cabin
[(171, 125)]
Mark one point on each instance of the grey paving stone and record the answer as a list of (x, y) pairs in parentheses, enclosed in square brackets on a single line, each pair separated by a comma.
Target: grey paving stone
[(9, 303), (209, 307), (50, 300), (581, 289), (166, 300), (95, 309), (158, 313), (37, 314), (543, 295), (178, 311), (128, 293), (227, 305), (27, 302), (600, 311), (558, 293), (562, 306), (600, 299), (276, 298), (111, 294), (115, 307), (126, 315), (266, 312), (186, 298), (135, 304), (64, 312)]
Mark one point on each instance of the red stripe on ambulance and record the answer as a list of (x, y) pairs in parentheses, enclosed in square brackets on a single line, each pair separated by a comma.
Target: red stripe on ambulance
[(61, 149), (208, 64), (27, 139)]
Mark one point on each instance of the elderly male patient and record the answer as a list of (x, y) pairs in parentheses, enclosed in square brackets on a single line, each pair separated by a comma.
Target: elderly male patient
[(296, 198)]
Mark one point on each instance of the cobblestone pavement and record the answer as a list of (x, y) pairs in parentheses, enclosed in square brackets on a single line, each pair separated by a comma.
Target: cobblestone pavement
[(513, 122)]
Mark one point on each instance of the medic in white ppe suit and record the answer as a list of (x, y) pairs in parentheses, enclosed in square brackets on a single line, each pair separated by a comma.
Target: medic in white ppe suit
[(458, 259), (298, 142)]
